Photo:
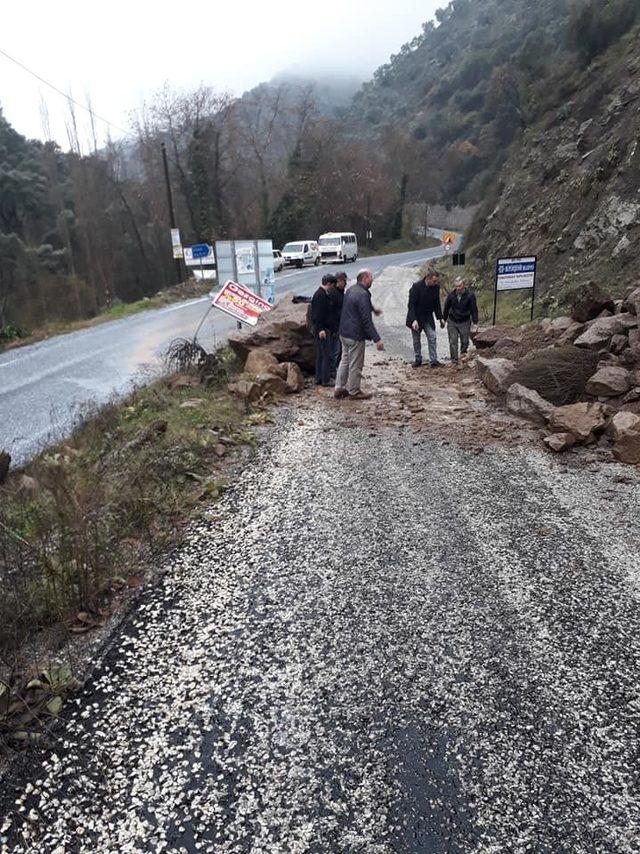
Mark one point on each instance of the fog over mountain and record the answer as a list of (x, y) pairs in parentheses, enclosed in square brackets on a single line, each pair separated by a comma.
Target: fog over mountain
[(231, 48)]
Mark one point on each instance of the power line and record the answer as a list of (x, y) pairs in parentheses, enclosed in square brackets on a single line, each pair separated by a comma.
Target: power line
[(64, 94)]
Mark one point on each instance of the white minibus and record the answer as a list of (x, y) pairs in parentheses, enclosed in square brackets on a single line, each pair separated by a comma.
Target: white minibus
[(338, 246)]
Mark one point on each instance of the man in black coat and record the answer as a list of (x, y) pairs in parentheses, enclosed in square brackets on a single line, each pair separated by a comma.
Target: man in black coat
[(337, 298), (424, 309), (322, 318), (460, 310)]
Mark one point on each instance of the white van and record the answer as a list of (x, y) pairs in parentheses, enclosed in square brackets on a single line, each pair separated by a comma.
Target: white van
[(338, 246), (301, 252)]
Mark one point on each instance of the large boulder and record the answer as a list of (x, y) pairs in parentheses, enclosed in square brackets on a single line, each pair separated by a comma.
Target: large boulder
[(571, 333), (528, 404), (632, 302), (272, 383), (283, 331), (496, 374), (591, 304), (621, 423), (582, 420), (609, 381), (260, 361), (558, 374), (487, 337), (598, 335), (627, 448)]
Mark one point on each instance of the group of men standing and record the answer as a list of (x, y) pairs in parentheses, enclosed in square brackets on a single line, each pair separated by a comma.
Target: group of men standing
[(343, 323)]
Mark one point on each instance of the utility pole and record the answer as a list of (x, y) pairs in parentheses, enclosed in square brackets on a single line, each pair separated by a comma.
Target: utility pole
[(172, 214), (426, 219), (368, 225)]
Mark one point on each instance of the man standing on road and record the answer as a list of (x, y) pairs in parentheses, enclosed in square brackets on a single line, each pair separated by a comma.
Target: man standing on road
[(322, 320), (337, 298), (460, 310), (424, 303), (356, 328)]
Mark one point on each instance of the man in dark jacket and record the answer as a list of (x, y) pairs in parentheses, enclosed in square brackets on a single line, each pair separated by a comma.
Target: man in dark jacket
[(337, 298), (424, 303), (460, 309), (356, 328), (322, 320)]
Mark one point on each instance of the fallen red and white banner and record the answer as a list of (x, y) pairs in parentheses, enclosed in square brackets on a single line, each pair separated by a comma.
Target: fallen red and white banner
[(241, 303)]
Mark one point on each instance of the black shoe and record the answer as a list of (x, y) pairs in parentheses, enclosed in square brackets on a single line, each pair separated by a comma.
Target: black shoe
[(436, 364), (417, 363)]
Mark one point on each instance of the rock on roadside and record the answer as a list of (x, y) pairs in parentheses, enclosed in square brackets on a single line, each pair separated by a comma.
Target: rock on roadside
[(260, 361), (560, 442), (295, 379), (582, 420), (627, 447), (599, 334), (621, 423), (246, 389), (528, 404), (5, 463), (496, 374), (609, 381), (283, 332), (592, 303)]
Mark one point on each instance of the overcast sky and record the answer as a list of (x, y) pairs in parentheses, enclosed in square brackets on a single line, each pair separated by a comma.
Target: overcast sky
[(120, 52)]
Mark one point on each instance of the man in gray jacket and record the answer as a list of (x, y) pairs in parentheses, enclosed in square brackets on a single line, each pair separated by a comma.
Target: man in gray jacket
[(356, 328)]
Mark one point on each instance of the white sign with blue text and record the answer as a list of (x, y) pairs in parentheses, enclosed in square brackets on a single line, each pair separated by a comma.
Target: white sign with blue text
[(514, 274)]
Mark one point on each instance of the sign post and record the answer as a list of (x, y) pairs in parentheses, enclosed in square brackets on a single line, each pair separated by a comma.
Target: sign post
[(198, 252), (448, 239), (515, 274)]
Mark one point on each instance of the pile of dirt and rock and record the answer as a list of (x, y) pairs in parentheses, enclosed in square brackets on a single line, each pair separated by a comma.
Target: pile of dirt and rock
[(276, 353), (578, 377)]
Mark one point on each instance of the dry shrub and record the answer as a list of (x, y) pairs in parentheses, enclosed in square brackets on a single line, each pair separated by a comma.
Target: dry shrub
[(559, 374)]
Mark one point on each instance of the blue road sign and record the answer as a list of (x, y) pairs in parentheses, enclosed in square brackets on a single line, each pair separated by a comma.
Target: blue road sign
[(200, 250)]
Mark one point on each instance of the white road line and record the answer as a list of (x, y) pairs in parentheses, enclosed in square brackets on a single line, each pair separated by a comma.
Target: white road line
[(184, 305)]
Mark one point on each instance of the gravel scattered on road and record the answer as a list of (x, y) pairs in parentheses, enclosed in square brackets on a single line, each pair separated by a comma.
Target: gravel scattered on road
[(378, 643)]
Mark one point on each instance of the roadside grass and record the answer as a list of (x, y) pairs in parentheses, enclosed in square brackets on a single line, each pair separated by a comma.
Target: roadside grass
[(395, 246), (184, 291), (79, 523)]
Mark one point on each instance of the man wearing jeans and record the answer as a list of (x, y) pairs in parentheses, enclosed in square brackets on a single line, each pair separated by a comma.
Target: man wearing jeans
[(336, 298), (356, 328), (460, 310), (424, 303)]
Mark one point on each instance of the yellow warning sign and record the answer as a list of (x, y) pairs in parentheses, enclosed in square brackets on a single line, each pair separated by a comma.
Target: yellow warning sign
[(448, 238)]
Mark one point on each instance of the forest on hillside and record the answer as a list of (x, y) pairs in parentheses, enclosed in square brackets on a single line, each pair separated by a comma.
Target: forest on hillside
[(82, 228)]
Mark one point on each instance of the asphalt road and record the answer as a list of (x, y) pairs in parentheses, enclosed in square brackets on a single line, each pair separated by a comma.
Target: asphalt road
[(377, 643), (44, 387)]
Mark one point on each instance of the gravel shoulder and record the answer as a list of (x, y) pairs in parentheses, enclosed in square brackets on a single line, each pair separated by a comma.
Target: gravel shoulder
[(380, 640)]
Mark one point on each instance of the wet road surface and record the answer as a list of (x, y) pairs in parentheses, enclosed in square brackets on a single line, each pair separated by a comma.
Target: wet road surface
[(43, 387)]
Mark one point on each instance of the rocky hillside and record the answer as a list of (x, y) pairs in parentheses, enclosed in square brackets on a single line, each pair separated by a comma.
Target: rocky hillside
[(530, 110), (459, 90), (570, 189)]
